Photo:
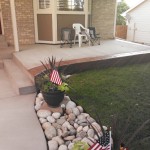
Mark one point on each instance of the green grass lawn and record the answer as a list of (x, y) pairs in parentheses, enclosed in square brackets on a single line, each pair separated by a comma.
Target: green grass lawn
[(121, 91)]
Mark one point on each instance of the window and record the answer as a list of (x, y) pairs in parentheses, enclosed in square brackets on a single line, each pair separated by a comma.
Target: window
[(70, 5), (44, 4)]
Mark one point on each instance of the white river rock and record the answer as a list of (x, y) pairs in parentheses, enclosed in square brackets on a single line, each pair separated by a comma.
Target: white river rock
[(43, 113), (52, 145)]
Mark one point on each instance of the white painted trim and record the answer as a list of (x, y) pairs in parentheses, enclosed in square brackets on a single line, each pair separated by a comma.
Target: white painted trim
[(115, 17), (1, 17), (47, 42), (86, 12), (71, 12), (50, 42), (54, 20), (14, 24), (35, 20)]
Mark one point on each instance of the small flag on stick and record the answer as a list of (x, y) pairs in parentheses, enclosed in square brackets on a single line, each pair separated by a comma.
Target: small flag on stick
[(55, 78), (104, 143)]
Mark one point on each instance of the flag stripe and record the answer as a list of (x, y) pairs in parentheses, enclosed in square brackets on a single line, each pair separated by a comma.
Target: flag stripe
[(105, 143), (55, 78)]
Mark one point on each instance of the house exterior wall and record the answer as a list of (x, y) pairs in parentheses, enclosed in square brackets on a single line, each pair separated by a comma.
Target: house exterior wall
[(25, 21), (139, 24), (103, 17), (7, 22)]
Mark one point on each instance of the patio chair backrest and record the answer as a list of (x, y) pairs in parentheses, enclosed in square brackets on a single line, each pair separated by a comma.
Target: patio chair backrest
[(65, 34), (78, 28), (92, 32)]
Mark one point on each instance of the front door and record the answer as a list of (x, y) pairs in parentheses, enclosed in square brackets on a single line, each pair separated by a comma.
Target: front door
[(131, 32)]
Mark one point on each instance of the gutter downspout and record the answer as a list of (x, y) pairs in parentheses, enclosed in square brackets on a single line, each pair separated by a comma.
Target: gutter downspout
[(14, 24)]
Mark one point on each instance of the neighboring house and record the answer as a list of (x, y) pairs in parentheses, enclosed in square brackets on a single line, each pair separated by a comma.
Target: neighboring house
[(139, 23), (40, 21)]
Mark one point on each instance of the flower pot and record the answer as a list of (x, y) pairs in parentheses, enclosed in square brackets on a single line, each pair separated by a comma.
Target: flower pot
[(53, 99)]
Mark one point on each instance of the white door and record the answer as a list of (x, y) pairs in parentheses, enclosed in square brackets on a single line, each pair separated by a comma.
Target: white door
[(131, 32)]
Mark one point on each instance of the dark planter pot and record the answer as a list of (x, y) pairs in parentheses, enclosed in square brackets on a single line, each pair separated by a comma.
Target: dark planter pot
[(53, 99)]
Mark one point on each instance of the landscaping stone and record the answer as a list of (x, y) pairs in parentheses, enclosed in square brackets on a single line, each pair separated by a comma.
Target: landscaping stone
[(69, 138), (80, 109), (50, 132), (63, 147), (52, 145), (58, 139), (90, 133), (50, 119), (79, 128), (46, 125), (70, 146), (43, 120), (63, 129), (61, 121), (43, 113), (56, 115), (70, 105), (86, 128), (76, 111)]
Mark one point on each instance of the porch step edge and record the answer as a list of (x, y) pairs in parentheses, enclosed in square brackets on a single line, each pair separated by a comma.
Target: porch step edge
[(3, 43), (20, 82), (22, 67), (1, 64)]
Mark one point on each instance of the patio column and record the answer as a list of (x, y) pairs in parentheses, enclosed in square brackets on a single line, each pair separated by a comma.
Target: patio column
[(54, 20), (14, 24), (86, 12)]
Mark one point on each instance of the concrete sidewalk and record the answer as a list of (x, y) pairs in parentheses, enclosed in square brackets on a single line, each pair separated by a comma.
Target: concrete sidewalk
[(19, 125)]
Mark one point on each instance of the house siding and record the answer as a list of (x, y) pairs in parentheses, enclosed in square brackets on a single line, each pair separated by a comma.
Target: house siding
[(103, 17), (7, 22), (139, 25), (25, 21)]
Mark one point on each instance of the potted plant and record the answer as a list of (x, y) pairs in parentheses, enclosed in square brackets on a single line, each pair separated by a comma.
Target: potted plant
[(50, 83)]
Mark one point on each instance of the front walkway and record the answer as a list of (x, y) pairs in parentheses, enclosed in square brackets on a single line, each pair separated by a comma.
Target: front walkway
[(19, 126)]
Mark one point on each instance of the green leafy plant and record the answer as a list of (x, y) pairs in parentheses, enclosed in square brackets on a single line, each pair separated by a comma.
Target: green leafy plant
[(80, 146), (43, 82)]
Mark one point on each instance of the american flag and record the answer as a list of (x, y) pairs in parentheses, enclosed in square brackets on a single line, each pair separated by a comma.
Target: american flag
[(104, 142), (55, 78)]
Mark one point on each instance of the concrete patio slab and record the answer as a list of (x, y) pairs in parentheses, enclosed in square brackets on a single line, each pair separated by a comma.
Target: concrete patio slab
[(31, 56)]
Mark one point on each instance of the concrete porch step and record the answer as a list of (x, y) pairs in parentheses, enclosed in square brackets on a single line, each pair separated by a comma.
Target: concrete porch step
[(20, 82), (1, 64), (6, 53), (3, 43)]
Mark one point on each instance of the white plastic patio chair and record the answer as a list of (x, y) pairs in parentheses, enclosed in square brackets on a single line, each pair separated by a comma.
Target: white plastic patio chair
[(80, 32)]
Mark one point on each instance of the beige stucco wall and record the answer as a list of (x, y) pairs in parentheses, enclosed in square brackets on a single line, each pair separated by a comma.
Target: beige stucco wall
[(25, 21), (8, 32), (103, 17)]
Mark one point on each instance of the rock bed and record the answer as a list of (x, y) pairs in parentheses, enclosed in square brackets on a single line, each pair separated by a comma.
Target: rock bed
[(62, 130)]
